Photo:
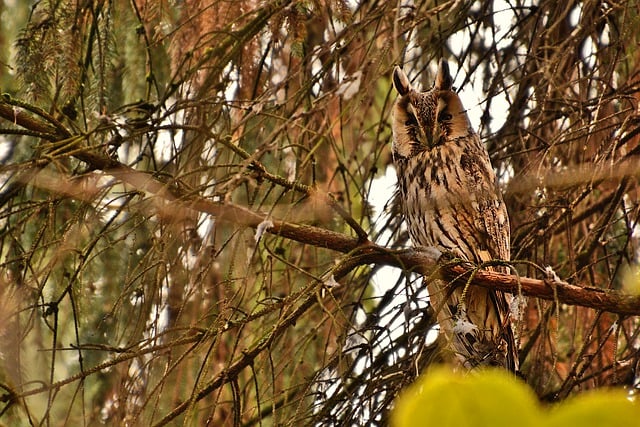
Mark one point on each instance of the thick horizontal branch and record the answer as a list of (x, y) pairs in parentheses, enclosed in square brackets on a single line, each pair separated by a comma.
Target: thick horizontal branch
[(425, 261), (601, 299), (428, 262), (562, 292)]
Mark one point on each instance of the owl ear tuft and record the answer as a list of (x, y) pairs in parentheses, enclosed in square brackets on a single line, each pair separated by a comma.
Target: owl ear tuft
[(444, 81), (401, 81)]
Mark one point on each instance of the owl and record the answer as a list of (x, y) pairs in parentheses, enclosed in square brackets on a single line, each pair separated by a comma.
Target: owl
[(450, 201)]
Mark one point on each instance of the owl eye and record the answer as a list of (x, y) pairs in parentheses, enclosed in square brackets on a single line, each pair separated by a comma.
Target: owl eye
[(444, 116)]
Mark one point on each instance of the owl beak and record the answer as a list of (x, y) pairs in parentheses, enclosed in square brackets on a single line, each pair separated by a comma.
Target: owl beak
[(435, 135), (431, 137)]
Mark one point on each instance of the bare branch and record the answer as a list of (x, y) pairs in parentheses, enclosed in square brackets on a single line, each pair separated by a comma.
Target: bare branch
[(422, 261)]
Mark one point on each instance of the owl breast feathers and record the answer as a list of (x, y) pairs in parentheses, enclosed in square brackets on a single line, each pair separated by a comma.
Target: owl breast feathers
[(450, 201)]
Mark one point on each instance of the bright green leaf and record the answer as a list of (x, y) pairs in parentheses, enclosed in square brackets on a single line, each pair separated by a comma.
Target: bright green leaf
[(595, 409), (495, 398), (490, 397)]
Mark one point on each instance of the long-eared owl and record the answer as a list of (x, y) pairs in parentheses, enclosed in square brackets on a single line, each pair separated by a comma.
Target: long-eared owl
[(450, 201)]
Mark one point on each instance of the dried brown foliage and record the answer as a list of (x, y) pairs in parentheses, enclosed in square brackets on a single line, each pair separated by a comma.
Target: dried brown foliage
[(185, 230)]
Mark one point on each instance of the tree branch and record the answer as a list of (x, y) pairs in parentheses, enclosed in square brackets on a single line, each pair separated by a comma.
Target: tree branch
[(424, 261), (563, 292), (429, 261)]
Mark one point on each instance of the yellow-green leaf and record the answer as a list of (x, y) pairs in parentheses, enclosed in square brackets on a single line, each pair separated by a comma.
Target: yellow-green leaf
[(594, 409), (448, 399)]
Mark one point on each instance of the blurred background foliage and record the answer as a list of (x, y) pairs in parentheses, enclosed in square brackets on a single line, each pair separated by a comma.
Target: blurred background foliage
[(124, 302), (452, 399)]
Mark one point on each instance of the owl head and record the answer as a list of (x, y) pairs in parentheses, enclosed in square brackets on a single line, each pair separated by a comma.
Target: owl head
[(423, 120)]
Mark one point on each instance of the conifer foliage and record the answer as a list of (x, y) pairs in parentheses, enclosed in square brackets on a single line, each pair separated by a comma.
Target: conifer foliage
[(194, 228)]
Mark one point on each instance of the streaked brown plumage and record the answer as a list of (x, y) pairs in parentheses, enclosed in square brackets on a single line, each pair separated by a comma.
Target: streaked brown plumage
[(450, 201)]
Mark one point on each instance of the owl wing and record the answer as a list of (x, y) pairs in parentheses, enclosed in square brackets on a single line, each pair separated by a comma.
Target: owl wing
[(491, 219), (492, 227), (495, 226)]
